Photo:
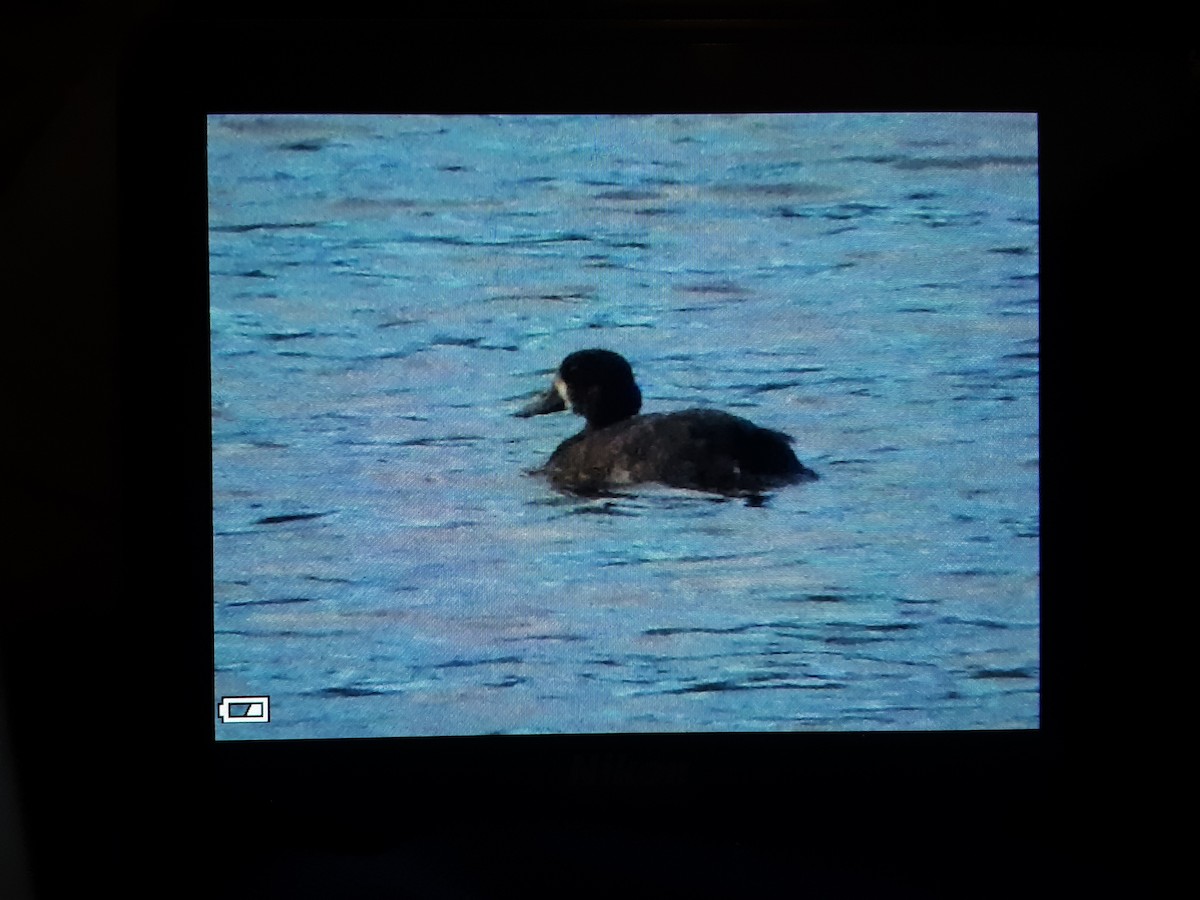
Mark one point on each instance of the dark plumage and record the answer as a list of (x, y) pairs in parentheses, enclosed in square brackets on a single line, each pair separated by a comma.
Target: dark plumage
[(701, 449)]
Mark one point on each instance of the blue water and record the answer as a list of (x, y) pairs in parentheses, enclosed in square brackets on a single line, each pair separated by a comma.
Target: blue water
[(386, 292)]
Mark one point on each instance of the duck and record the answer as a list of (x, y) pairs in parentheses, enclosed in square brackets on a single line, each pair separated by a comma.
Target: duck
[(697, 449)]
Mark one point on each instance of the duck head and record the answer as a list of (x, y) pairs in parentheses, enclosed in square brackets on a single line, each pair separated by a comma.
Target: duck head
[(595, 384)]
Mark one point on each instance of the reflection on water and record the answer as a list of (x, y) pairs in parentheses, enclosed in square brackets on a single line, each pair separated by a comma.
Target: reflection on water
[(386, 292)]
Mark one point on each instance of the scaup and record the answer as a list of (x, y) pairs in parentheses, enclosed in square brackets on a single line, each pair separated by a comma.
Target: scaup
[(700, 449)]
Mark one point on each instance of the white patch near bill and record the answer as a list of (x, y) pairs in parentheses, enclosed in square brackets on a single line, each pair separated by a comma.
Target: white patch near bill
[(561, 387)]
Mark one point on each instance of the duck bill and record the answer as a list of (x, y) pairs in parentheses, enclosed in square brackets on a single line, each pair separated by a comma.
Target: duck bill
[(549, 402)]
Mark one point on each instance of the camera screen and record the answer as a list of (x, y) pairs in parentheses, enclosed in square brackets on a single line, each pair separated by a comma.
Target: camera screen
[(798, 491)]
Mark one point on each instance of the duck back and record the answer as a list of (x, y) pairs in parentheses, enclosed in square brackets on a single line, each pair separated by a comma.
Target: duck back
[(701, 449)]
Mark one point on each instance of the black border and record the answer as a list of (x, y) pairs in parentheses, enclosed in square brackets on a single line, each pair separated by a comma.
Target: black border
[(119, 779)]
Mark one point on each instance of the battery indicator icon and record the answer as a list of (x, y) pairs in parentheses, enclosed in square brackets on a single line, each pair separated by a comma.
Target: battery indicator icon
[(245, 709)]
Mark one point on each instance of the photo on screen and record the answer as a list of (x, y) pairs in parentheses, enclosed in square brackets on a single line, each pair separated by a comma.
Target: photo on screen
[(396, 555)]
